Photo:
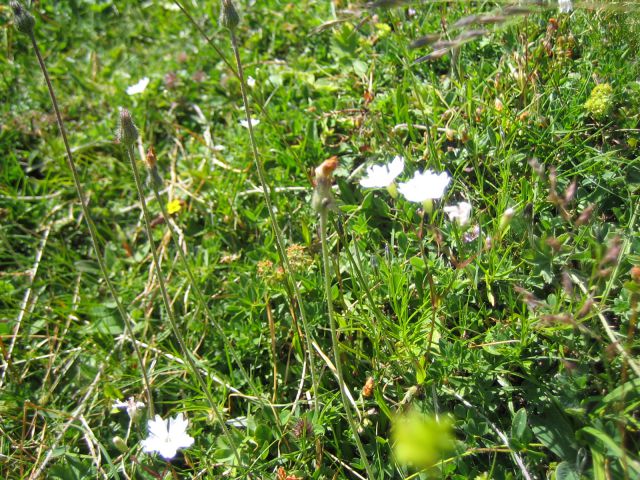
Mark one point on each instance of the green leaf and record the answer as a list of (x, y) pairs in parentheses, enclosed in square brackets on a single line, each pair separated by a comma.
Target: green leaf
[(552, 430), (519, 425), (565, 471), (613, 448)]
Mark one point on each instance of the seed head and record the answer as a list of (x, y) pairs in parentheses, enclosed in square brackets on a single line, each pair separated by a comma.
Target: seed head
[(229, 17), (128, 133), (303, 429), (24, 21)]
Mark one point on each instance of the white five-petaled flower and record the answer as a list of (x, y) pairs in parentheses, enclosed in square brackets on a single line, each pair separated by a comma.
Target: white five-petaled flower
[(425, 186), (167, 436), (138, 87), (131, 406), (383, 176), (459, 213), (565, 6)]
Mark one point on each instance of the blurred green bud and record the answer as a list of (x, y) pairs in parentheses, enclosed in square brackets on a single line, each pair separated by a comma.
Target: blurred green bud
[(600, 102), (128, 132), (229, 17), (24, 21), (506, 218), (420, 440), (120, 444)]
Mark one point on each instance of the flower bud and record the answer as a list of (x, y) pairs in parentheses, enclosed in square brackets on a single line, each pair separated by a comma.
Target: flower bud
[(24, 21), (229, 17), (322, 199), (128, 133), (120, 444), (152, 167), (506, 217)]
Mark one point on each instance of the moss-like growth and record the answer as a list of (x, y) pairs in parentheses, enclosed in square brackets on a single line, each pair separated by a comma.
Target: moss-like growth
[(600, 102)]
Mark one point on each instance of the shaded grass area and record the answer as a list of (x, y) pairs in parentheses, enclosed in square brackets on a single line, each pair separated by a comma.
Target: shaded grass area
[(512, 322)]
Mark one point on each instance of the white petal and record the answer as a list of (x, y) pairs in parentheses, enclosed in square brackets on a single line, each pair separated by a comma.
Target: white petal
[(167, 450), (459, 213), (138, 87), (158, 427), (177, 425), (425, 186), (396, 166), (565, 6), (381, 176), (245, 124)]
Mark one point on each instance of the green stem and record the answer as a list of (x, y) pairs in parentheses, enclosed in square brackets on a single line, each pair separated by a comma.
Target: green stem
[(334, 339), (202, 301), (274, 223), (169, 309), (92, 229)]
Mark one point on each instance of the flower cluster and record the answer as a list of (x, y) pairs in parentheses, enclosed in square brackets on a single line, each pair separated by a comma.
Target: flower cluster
[(423, 188), (600, 102)]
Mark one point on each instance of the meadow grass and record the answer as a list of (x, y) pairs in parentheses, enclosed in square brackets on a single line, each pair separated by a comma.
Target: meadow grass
[(373, 340)]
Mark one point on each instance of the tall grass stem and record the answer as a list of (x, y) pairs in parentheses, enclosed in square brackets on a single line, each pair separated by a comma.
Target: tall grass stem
[(274, 221), (92, 229), (202, 301), (334, 339), (169, 310)]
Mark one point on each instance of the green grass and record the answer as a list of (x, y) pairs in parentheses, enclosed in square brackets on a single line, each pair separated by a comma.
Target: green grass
[(510, 335)]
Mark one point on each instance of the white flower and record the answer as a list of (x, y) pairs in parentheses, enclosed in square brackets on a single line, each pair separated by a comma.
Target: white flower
[(167, 436), (138, 87), (471, 234), (459, 213), (425, 186), (381, 176), (565, 6), (251, 82), (131, 406), (245, 124)]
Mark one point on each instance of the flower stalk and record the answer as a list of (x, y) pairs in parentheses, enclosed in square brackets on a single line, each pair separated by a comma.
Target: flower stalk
[(231, 25), (155, 181), (25, 23), (322, 202), (128, 138)]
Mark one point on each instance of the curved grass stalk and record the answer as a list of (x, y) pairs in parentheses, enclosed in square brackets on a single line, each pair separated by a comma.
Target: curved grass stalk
[(19, 10), (239, 73), (274, 221), (199, 295), (165, 296), (324, 212)]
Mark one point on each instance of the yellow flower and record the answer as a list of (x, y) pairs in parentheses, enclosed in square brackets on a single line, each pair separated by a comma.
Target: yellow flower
[(174, 206)]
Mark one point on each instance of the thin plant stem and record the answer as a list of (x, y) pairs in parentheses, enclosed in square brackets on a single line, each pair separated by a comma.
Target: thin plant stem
[(92, 229), (334, 339), (202, 301), (169, 309), (274, 221)]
